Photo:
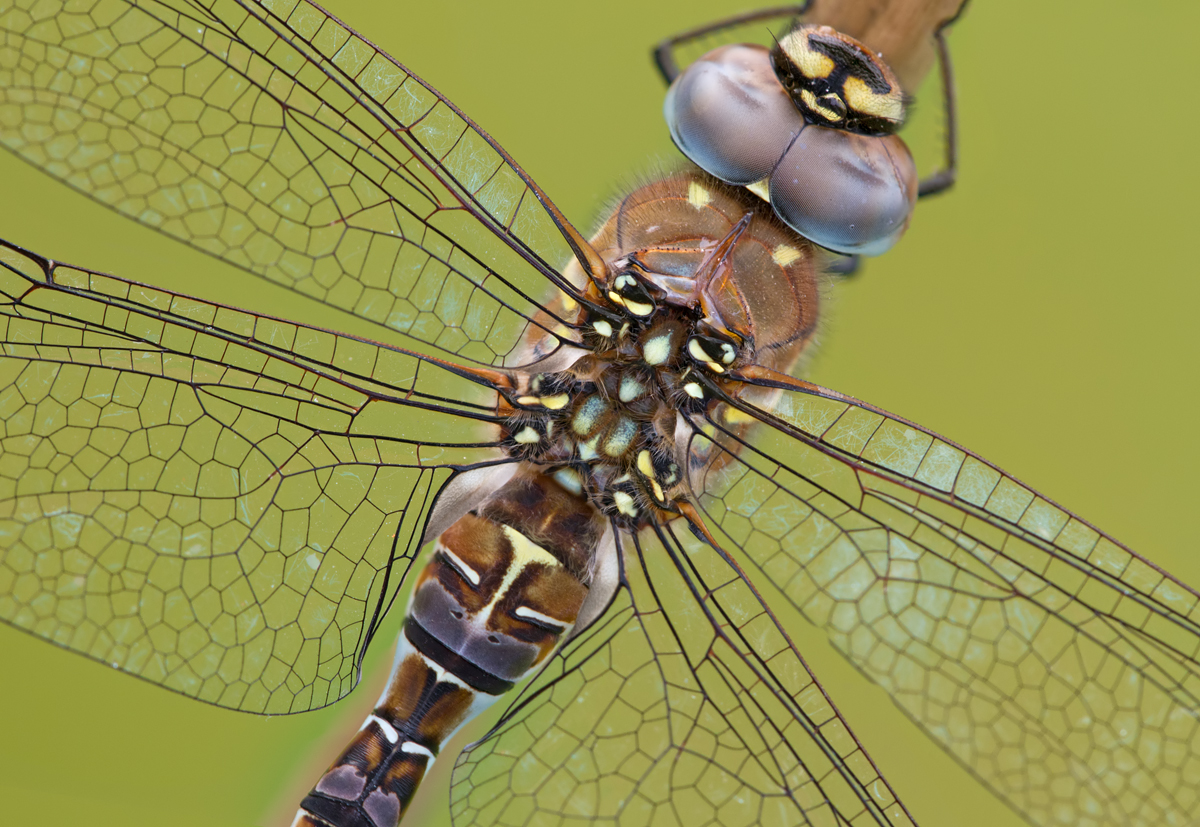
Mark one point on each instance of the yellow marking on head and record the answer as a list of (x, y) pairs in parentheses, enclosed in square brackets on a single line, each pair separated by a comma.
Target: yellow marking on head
[(785, 254), (761, 189), (814, 103), (810, 62), (861, 98), (699, 195)]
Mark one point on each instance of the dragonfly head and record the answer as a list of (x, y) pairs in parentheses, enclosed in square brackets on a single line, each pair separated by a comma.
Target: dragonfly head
[(836, 81)]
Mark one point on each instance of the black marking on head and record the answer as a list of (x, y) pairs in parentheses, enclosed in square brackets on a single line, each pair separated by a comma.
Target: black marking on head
[(851, 60), (828, 99)]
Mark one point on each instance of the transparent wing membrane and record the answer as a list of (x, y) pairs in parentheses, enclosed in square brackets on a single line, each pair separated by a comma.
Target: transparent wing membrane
[(1006, 627), (685, 704), (273, 137), (226, 504), (211, 500)]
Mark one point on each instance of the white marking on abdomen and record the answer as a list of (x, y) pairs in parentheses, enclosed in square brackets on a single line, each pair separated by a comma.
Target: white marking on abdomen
[(534, 614), (460, 564), (389, 731), (416, 749)]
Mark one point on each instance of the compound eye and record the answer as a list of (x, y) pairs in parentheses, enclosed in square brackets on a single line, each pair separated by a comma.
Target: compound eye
[(628, 291), (848, 192), (729, 115), (714, 354)]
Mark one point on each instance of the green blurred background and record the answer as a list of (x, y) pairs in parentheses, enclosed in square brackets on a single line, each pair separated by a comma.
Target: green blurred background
[(1041, 314)]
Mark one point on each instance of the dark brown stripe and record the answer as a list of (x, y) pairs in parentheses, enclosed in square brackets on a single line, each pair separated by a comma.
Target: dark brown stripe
[(458, 666), (333, 812), (381, 801)]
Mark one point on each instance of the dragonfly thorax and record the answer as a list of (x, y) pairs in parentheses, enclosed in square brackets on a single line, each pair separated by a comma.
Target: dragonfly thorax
[(605, 428), (702, 280)]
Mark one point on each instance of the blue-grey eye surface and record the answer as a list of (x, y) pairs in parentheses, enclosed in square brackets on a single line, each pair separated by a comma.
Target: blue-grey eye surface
[(850, 193), (729, 115)]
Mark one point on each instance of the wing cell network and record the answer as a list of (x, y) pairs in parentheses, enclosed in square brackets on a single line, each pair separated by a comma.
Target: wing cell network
[(223, 503), (213, 501), (1003, 625), (685, 704), (273, 137)]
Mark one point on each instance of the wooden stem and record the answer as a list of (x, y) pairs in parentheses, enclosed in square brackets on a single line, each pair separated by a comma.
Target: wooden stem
[(900, 30)]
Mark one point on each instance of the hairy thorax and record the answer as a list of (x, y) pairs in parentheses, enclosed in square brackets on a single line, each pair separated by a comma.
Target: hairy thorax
[(702, 282)]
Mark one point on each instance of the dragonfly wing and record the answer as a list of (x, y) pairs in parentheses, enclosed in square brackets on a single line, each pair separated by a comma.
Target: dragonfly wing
[(272, 136), (1056, 664), (685, 703), (217, 502)]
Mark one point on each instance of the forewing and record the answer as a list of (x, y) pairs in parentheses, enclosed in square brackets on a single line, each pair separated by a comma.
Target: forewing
[(1056, 664), (272, 136), (213, 501), (685, 704)]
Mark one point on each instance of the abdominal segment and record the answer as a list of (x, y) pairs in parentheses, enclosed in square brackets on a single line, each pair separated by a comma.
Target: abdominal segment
[(502, 591)]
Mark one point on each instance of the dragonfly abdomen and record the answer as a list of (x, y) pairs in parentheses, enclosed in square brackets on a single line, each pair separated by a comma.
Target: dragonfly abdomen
[(502, 591)]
